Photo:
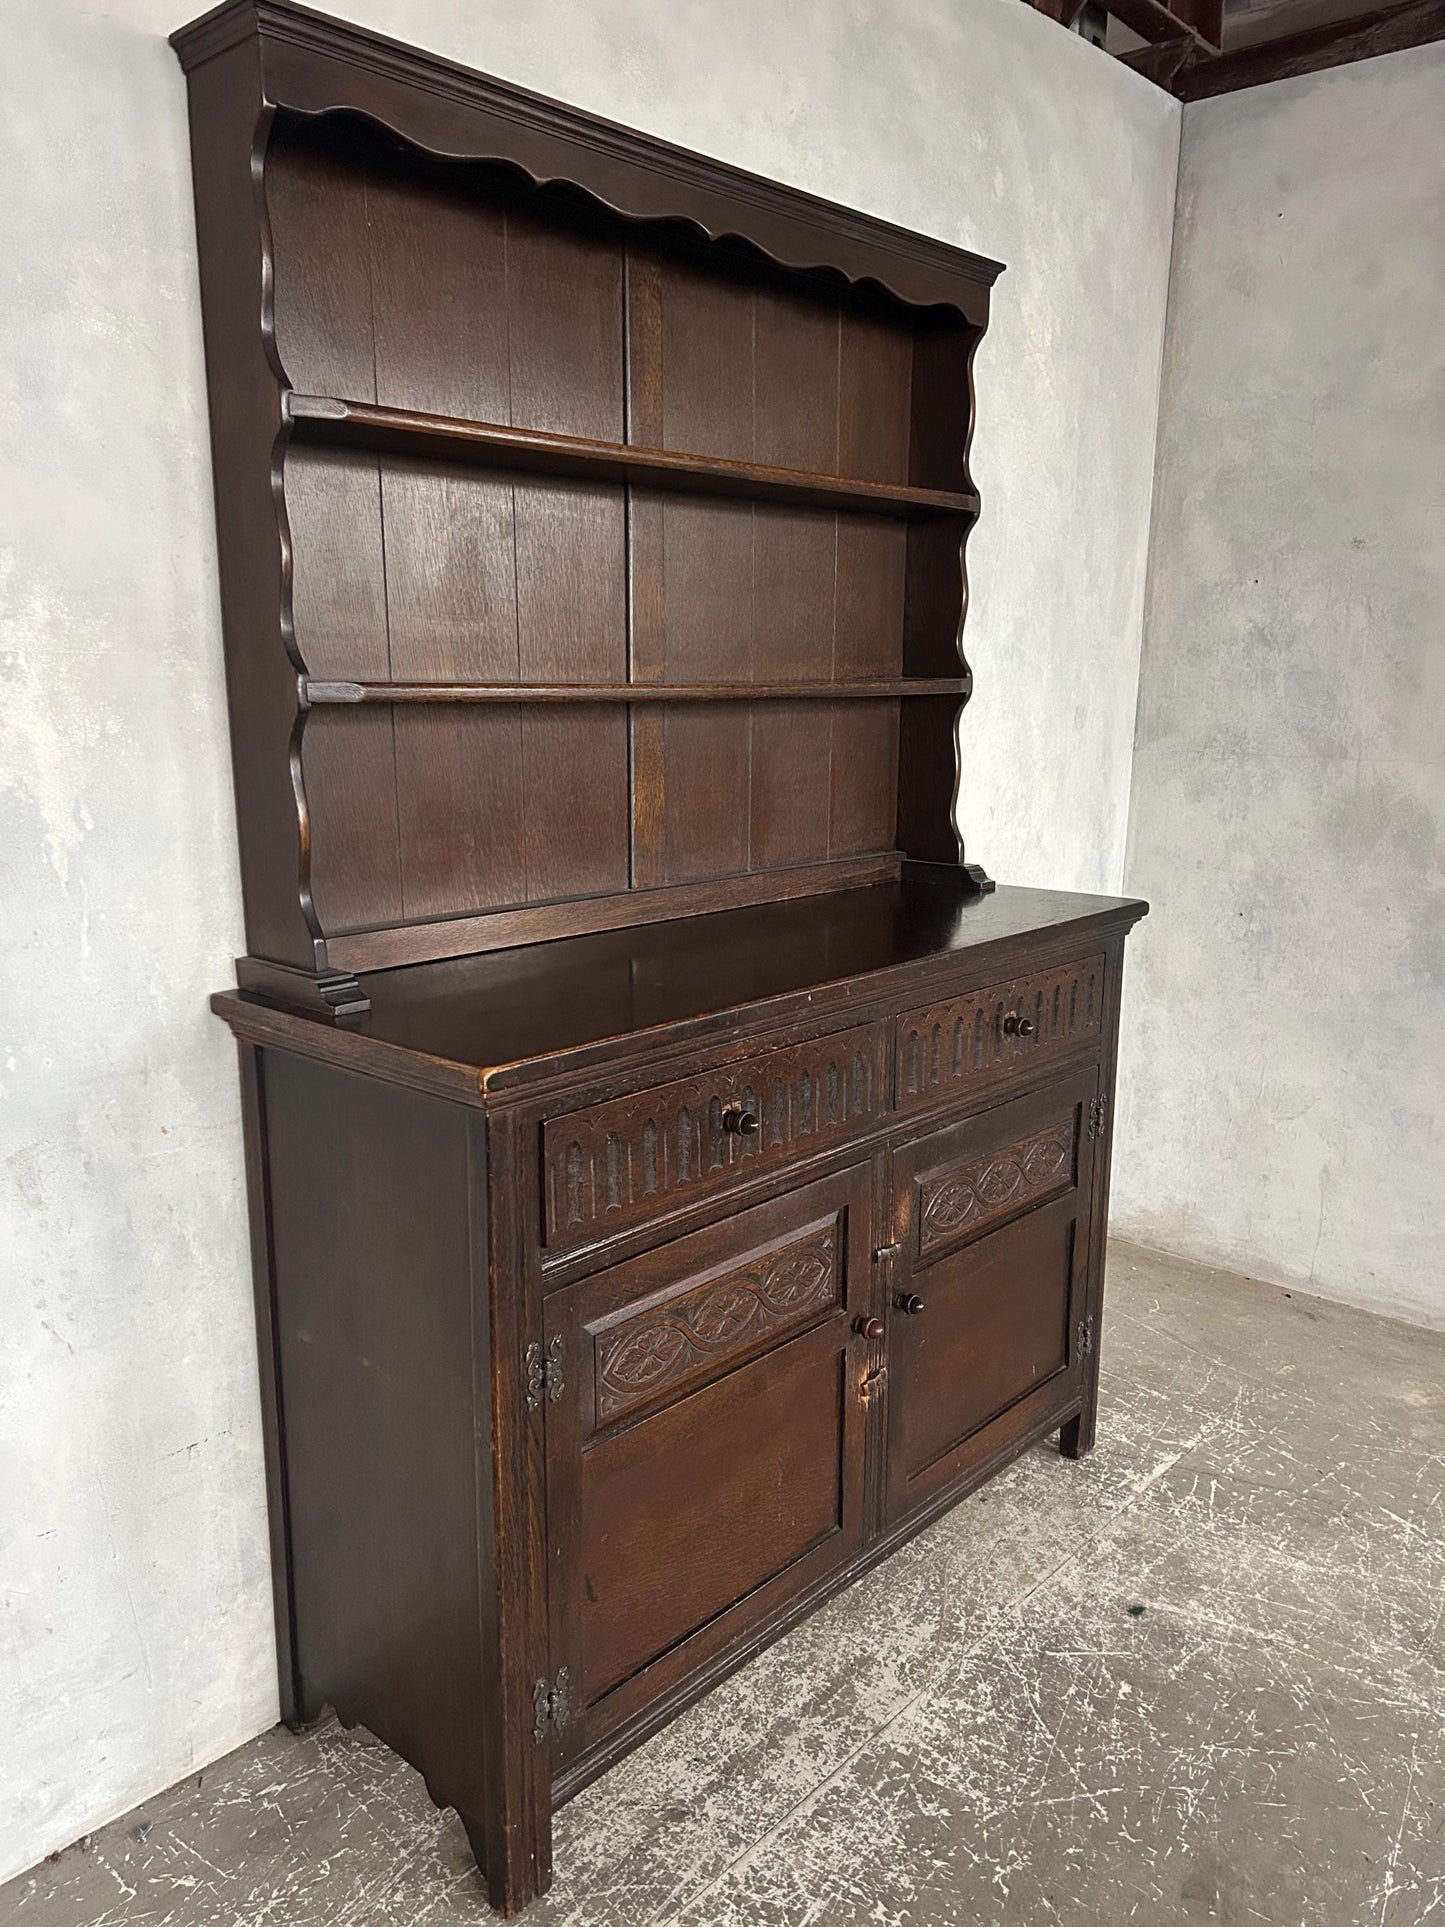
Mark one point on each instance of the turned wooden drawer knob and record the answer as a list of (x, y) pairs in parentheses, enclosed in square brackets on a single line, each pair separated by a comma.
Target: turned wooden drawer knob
[(740, 1120), (869, 1328), (909, 1302), (1016, 1026)]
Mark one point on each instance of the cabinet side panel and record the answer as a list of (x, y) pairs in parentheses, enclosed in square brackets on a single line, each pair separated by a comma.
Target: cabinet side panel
[(372, 1229)]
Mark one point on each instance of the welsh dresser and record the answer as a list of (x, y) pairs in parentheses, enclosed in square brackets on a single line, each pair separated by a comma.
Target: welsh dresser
[(676, 1175)]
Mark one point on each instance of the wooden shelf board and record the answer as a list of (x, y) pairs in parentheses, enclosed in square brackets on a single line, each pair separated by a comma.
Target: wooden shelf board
[(320, 690), (363, 424), (1154, 21)]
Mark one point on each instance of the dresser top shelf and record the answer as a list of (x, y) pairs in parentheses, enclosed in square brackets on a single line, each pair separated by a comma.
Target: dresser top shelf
[(512, 1017)]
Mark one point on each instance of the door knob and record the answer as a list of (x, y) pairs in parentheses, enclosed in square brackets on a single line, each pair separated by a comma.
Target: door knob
[(1016, 1026), (870, 1328), (740, 1120), (908, 1301)]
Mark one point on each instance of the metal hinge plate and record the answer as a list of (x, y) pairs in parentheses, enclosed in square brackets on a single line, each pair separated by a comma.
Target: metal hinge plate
[(1098, 1115), (551, 1704), (545, 1378), (1086, 1337)]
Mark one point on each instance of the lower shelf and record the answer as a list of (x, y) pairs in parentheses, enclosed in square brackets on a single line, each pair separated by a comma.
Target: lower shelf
[(319, 690)]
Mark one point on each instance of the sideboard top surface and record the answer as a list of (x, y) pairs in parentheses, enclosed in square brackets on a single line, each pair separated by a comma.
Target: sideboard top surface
[(513, 1017)]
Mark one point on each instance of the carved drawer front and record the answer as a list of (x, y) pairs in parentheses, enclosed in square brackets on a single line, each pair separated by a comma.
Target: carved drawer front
[(705, 1456), (682, 1338), (976, 1193), (623, 1161), (991, 1036)]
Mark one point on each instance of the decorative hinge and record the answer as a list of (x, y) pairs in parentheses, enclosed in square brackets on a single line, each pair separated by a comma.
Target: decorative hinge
[(551, 1703), (544, 1373), (1086, 1337), (1098, 1115)]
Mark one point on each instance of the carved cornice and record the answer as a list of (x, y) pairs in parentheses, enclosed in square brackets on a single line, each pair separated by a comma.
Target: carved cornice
[(824, 236)]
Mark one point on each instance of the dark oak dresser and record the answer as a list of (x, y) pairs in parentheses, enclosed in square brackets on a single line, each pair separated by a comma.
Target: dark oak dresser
[(675, 1174)]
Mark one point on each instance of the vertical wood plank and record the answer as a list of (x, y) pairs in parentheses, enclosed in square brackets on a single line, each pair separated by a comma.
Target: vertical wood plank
[(795, 425), (571, 604), (795, 385), (572, 627), (708, 635), (564, 302), (875, 363), (439, 274), (338, 583), (347, 761), (575, 813), (875, 379), (450, 573), (941, 406), (460, 809), (792, 748), (451, 595), (791, 743), (863, 807), (707, 363), (333, 505), (705, 828), (318, 211), (647, 726)]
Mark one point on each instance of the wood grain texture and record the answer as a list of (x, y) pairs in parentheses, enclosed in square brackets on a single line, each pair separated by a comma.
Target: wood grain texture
[(371, 1229), (689, 1335), (976, 1193), (965, 1042), (548, 337), (579, 1383), (609, 1166), (666, 1549), (1002, 1277)]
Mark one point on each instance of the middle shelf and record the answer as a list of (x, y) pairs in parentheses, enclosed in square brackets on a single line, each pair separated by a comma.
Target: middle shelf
[(322, 690), (354, 424)]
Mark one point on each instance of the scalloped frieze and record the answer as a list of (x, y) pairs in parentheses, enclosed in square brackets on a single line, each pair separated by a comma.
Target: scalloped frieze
[(314, 65)]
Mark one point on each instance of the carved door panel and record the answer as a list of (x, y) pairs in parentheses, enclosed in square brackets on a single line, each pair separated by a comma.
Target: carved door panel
[(986, 1334), (704, 1447)]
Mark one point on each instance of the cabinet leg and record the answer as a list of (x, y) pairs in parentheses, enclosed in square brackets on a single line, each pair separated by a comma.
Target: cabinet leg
[(508, 1889), (1076, 1438)]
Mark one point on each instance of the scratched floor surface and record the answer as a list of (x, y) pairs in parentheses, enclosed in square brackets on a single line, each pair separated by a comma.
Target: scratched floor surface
[(982, 1731)]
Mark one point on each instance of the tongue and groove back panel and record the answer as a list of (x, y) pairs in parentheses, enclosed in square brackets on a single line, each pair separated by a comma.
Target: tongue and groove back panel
[(456, 290), (591, 513)]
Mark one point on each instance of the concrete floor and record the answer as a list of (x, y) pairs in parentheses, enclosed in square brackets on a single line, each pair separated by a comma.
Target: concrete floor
[(987, 1729)]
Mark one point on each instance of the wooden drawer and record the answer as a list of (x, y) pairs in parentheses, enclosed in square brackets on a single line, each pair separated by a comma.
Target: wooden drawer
[(619, 1163), (705, 1455), (997, 1035)]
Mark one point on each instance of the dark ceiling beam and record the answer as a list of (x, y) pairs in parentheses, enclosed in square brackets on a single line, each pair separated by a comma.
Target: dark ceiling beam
[(1200, 21), (1161, 61), (1386, 31), (1066, 12)]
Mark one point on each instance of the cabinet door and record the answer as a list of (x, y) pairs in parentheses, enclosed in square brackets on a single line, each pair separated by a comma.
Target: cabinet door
[(705, 1452), (988, 1285)]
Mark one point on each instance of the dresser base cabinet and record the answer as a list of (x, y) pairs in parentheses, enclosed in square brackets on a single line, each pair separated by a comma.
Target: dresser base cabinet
[(588, 1372)]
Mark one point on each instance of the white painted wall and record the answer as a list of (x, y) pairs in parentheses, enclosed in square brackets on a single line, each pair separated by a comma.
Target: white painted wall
[(1282, 1084), (137, 1641)]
